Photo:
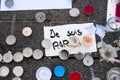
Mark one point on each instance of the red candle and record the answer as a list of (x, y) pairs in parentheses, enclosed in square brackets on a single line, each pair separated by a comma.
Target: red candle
[(75, 76), (89, 10), (118, 10)]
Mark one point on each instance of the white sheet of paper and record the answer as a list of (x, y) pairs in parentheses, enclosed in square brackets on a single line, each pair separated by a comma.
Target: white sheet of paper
[(111, 8), (62, 31), (37, 5)]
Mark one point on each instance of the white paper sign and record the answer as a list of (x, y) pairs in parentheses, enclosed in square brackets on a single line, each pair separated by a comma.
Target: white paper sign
[(37, 4), (59, 36), (111, 8)]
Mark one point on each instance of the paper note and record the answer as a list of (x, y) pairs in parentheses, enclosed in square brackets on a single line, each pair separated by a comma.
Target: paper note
[(37, 5), (59, 36), (111, 8)]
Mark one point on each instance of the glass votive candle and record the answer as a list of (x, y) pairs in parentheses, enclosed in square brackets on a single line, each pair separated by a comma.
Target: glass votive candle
[(113, 24)]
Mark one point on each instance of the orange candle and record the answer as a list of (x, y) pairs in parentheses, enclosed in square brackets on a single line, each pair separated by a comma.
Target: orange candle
[(87, 40)]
